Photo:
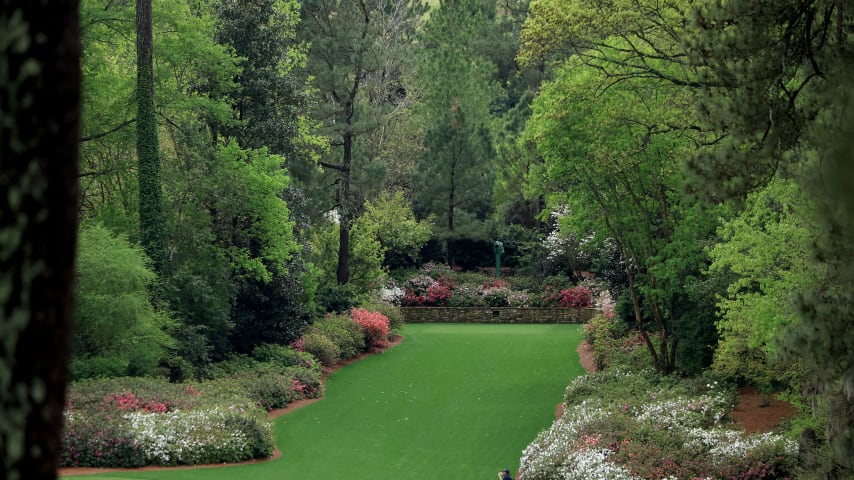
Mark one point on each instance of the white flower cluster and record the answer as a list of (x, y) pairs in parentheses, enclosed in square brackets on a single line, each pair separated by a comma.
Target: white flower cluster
[(184, 436), (392, 295), (592, 464), (681, 412), (554, 446), (737, 446)]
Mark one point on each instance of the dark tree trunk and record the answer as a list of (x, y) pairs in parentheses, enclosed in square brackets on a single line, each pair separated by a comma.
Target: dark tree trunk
[(39, 133), (346, 218), (151, 223)]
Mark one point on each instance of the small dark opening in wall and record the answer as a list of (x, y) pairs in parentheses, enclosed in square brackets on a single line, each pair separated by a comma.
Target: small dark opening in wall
[(495, 314)]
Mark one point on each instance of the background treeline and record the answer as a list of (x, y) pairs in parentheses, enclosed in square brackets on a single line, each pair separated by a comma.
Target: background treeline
[(694, 154)]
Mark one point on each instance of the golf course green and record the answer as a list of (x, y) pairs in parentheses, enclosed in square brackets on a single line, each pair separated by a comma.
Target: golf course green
[(452, 401)]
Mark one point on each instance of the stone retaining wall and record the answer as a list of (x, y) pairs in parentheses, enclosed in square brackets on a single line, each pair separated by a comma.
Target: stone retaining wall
[(496, 315)]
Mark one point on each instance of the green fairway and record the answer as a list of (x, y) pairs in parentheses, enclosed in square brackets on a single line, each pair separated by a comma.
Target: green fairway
[(452, 401)]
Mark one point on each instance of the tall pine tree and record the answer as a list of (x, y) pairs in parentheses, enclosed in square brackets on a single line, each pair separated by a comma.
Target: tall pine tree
[(454, 179), (356, 47)]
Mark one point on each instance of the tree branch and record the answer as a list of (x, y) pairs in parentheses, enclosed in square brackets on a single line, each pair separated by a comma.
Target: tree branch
[(333, 166), (108, 132)]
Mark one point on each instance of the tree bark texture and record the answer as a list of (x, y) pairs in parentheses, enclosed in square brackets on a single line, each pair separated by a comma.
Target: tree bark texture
[(39, 133), (151, 223)]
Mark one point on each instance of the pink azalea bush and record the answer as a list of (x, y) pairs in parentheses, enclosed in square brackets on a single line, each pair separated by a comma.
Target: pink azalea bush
[(575, 297), (128, 402), (375, 325)]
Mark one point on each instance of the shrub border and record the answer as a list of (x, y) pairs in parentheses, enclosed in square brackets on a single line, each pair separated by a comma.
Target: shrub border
[(497, 315)]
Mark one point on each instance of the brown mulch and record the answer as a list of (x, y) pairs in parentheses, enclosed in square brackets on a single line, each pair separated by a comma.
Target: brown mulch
[(72, 471)]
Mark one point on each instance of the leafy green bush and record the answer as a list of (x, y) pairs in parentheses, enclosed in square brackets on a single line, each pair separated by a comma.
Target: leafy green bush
[(336, 298), (269, 389), (98, 367), (283, 356), (345, 334), (319, 345), (615, 343), (233, 364), (117, 328)]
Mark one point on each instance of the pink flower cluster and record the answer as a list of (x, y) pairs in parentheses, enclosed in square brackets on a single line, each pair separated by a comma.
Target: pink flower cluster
[(297, 345), (128, 402), (375, 325), (575, 297), (426, 291)]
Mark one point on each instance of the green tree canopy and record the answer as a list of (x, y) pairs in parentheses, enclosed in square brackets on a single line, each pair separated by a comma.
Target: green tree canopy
[(117, 329)]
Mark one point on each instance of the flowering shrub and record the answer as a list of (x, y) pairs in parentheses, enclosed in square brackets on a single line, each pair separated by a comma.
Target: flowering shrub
[(306, 382), (154, 422), (438, 294), (138, 438), (392, 312), (466, 296), (575, 297), (99, 440), (270, 390), (420, 283), (217, 435), (434, 286), (128, 402), (625, 425), (375, 325), (392, 296), (297, 345), (517, 299), (424, 290), (496, 297), (135, 393)]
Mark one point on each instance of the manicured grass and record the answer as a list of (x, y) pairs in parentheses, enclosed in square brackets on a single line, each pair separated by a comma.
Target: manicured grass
[(452, 401)]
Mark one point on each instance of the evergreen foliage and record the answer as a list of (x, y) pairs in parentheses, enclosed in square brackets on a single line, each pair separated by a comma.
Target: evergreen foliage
[(454, 178), (356, 50)]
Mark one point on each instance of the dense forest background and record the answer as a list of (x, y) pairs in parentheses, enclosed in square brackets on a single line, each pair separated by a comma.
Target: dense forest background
[(247, 166)]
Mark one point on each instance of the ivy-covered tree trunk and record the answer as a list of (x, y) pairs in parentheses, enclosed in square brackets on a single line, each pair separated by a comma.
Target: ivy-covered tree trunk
[(151, 224), (39, 130)]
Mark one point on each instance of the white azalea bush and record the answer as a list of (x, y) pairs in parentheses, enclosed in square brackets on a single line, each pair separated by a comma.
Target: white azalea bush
[(620, 425), (215, 435)]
